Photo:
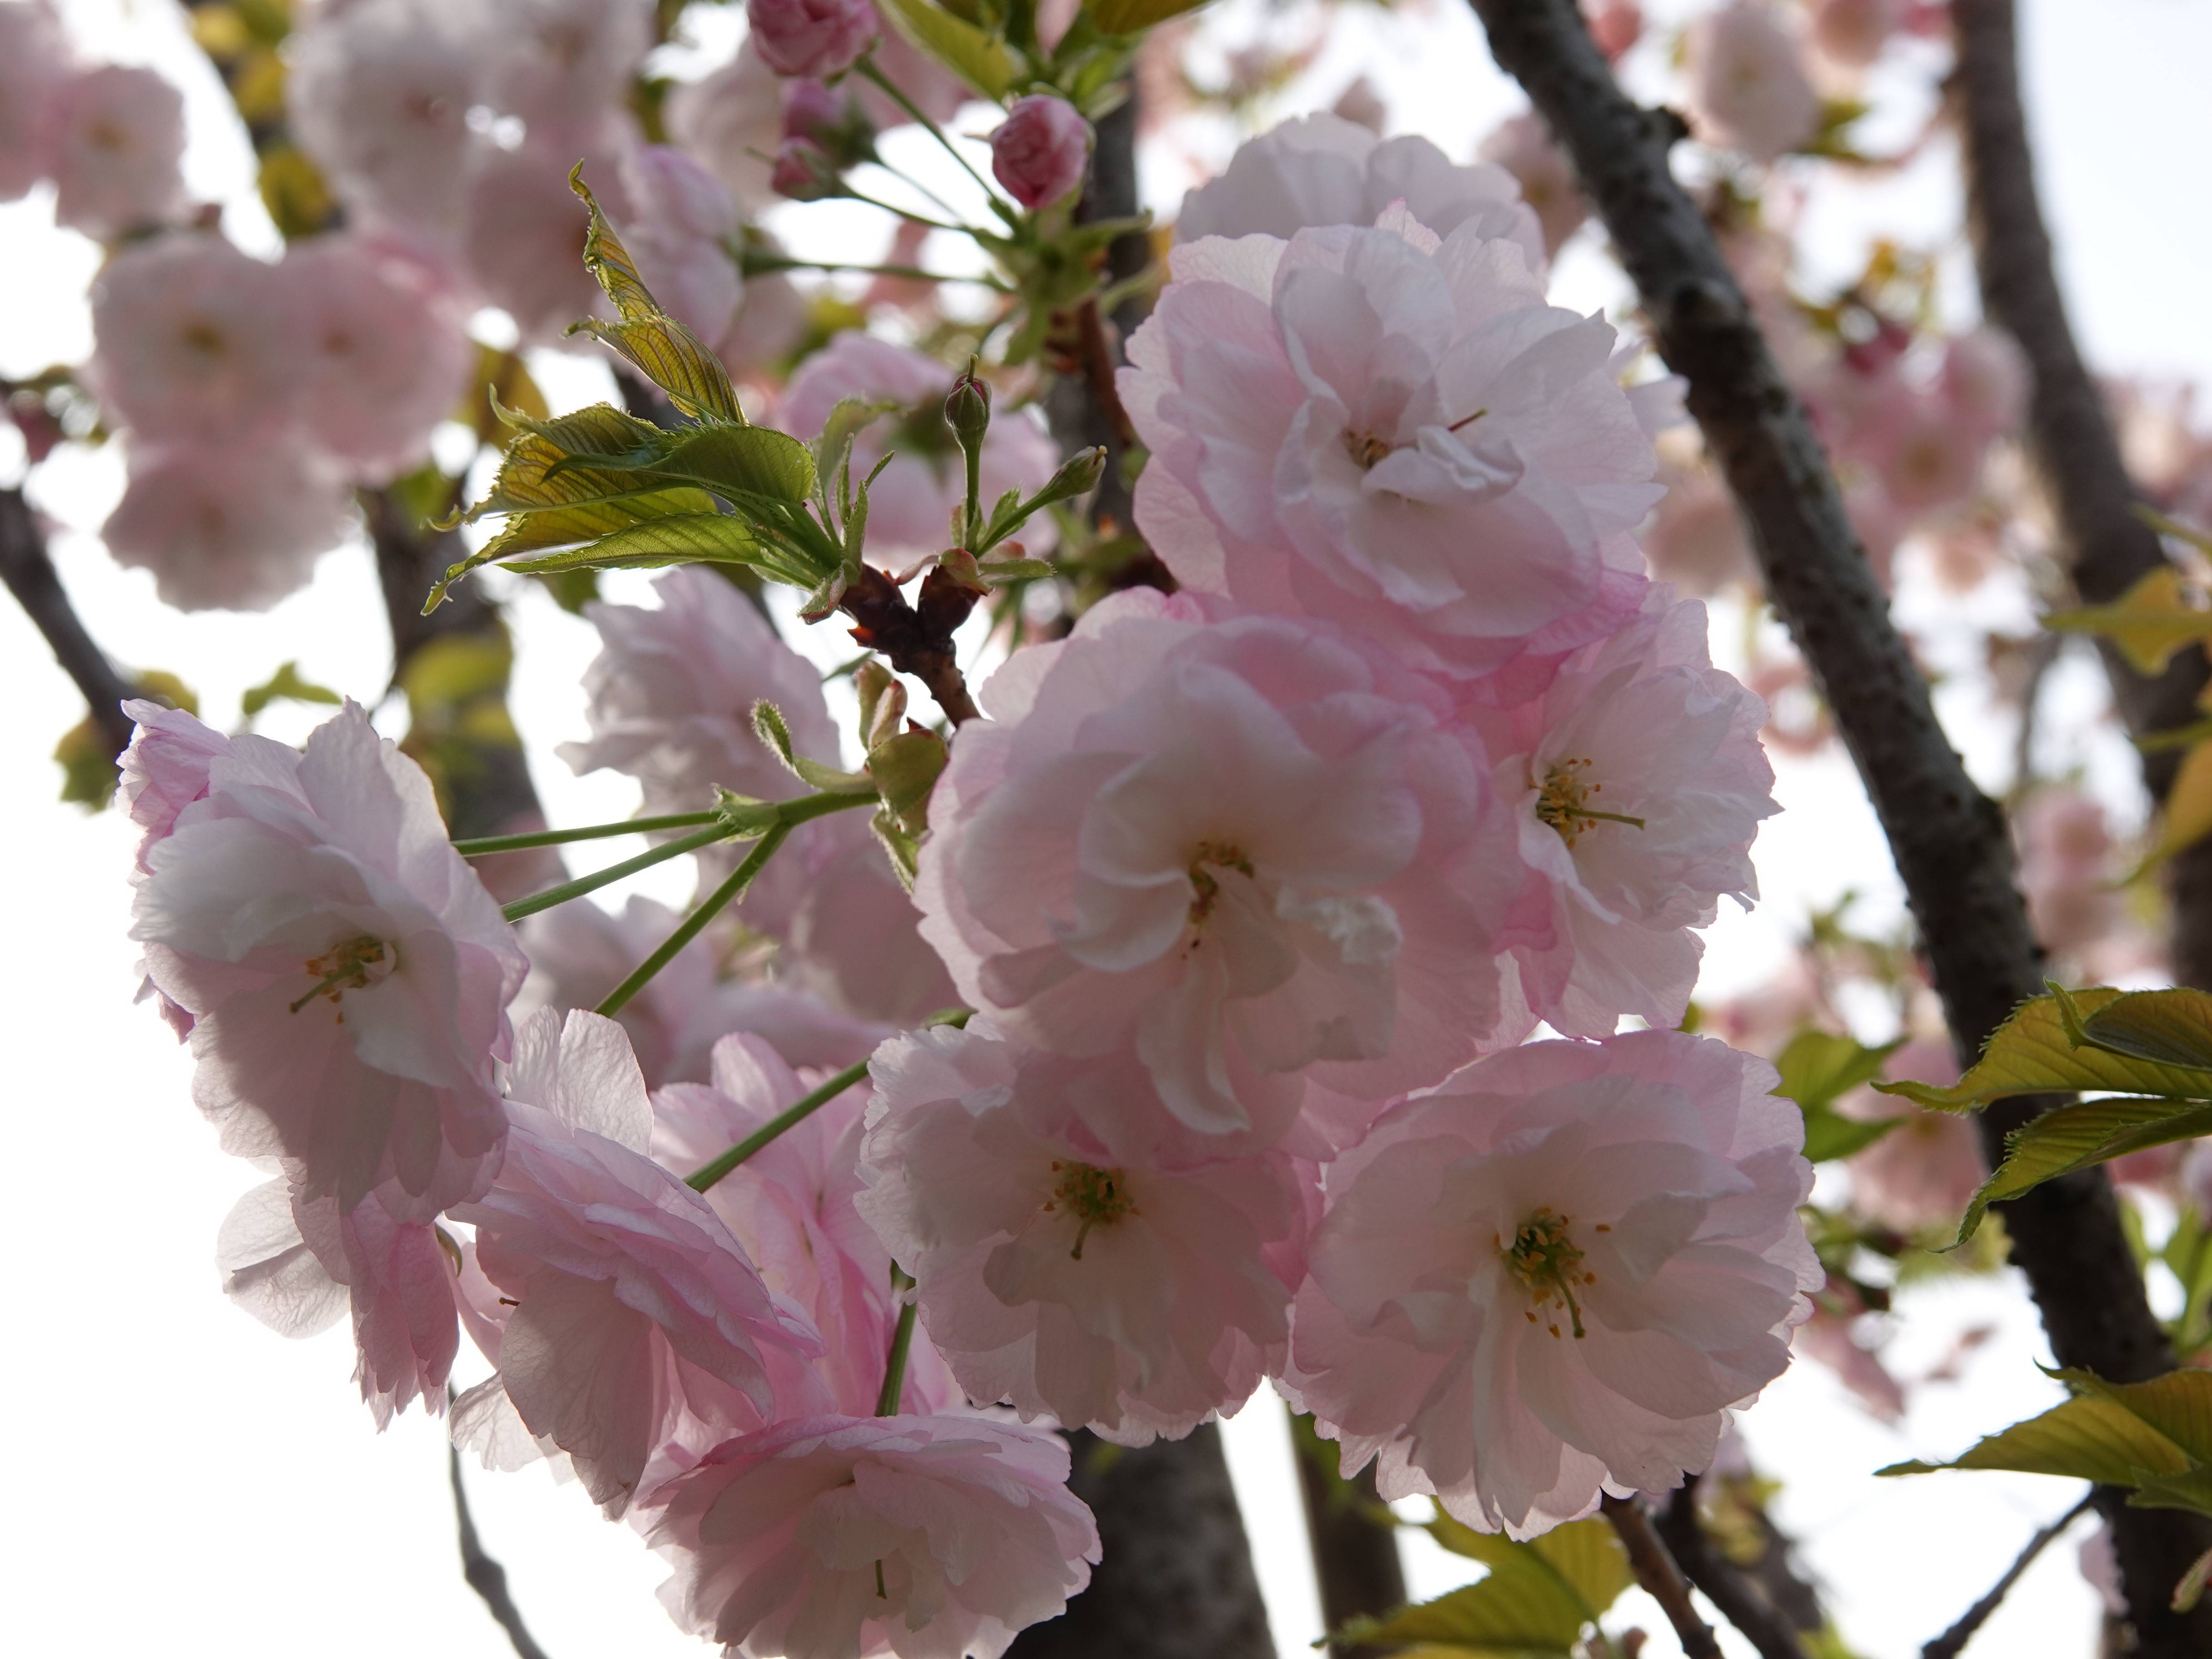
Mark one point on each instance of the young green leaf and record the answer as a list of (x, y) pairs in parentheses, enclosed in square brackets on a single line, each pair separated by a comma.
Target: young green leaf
[(2033, 1054), (1537, 1600), (2171, 1027), (1135, 16), (285, 685), (2089, 1437), (2074, 1137), (2149, 622), (769, 726), (980, 60)]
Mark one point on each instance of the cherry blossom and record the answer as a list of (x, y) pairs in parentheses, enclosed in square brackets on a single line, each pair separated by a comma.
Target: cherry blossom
[(910, 504), (729, 120), (1273, 789), (638, 1320), (831, 1536), (235, 526), (1320, 170), (1066, 1262), (1551, 1276), (196, 341), (34, 67), (681, 222), (818, 38), (1747, 88), (562, 64), (523, 239), (1339, 423), (1638, 782), (118, 137), (1524, 146), (167, 767), (347, 973), (1042, 150), (791, 1205)]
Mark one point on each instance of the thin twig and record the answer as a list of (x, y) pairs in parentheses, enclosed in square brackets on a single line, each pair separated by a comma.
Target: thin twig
[(484, 1575), (1096, 353), (1947, 1645), (2043, 654), (1948, 839), (30, 573), (1656, 1570), (1740, 1602)]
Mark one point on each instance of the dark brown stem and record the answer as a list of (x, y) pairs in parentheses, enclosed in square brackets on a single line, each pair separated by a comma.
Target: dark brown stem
[(30, 576), (484, 1575), (2106, 545), (1656, 1570), (915, 640), (1948, 1644), (1354, 1537), (1741, 1602), (1099, 354), (1949, 840)]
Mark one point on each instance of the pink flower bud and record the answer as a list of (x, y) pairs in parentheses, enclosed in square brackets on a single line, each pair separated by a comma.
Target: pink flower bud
[(1615, 25), (814, 37), (812, 110), (1039, 155), (804, 171)]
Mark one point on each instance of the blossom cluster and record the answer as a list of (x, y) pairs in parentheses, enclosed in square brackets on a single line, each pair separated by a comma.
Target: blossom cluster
[(1296, 913)]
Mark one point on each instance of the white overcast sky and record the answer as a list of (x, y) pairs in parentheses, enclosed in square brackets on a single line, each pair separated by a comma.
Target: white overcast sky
[(186, 1481)]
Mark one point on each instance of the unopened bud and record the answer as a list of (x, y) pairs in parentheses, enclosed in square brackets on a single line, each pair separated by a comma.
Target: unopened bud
[(1079, 472), (968, 409), (805, 170)]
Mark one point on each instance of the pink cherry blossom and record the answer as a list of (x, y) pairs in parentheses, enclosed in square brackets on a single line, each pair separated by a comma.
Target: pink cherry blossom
[(347, 973), (1254, 842), (166, 768), (818, 38), (1922, 1174), (230, 525), (1551, 1277), (1524, 146), (385, 357), (1747, 88), (672, 691), (1041, 151), (910, 504), (194, 340), (268, 1269), (34, 67), (523, 240), (1851, 33), (791, 1205), (833, 1536), (2066, 867), (118, 137), (729, 120), (1065, 1265), (378, 95), (1641, 727), (852, 933), (1320, 170), (638, 1320), (564, 65), (578, 952), (1695, 541), (679, 228), (1984, 380), (1615, 25), (1395, 432)]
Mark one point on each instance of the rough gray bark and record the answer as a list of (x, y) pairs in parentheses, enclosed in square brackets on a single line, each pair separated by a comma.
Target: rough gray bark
[(2107, 545), (1948, 839), (1175, 1582), (30, 576)]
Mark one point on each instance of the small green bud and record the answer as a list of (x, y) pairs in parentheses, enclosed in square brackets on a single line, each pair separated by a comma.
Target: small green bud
[(967, 409)]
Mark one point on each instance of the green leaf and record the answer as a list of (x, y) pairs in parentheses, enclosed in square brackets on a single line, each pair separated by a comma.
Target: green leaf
[(1537, 1598), (980, 60), (2149, 622), (769, 726), (2171, 1028), (2089, 1437), (1134, 17), (686, 539), (744, 461), (287, 685), (668, 354), (2191, 1590), (2074, 1137), (2178, 1405), (2186, 817), (904, 769), (1819, 1069), (1830, 1134), (2033, 1053)]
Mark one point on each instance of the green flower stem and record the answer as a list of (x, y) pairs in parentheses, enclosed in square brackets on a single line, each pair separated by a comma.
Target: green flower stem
[(688, 929), (866, 68), (783, 261), (887, 1402), (798, 1112), (485, 844), (908, 214), (569, 890)]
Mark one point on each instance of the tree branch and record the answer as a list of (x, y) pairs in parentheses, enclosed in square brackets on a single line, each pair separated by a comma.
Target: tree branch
[(915, 639), (1947, 1645), (30, 576), (1352, 1535), (484, 1575), (1656, 1570), (2107, 545), (1741, 1602), (1949, 840)]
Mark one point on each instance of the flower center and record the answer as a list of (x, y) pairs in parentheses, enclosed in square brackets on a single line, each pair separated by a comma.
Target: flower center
[(1206, 890), (1563, 801), (1545, 1260), (353, 964), (1365, 448), (1094, 1197)]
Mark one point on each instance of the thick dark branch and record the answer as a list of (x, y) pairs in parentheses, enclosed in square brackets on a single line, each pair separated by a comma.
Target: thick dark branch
[(915, 639), (1948, 839), (485, 1576), (1948, 1644), (1353, 1534), (2107, 545), (1741, 1602), (1656, 1570), (30, 577)]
